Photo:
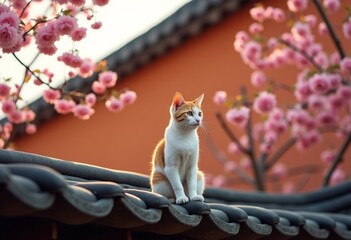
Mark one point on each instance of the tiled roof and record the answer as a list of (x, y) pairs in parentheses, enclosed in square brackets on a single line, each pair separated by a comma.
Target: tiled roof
[(188, 21), (78, 195)]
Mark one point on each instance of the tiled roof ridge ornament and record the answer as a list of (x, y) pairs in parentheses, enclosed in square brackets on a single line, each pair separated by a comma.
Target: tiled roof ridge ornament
[(78, 194)]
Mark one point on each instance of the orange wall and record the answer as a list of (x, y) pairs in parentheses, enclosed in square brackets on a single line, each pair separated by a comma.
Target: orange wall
[(125, 140)]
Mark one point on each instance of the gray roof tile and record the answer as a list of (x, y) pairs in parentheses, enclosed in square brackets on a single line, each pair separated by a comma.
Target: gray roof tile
[(39, 188), (85, 195)]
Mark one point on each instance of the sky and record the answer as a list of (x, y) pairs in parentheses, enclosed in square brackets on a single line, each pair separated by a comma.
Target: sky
[(123, 20)]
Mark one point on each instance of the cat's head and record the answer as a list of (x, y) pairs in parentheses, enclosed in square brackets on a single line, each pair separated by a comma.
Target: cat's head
[(186, 114)]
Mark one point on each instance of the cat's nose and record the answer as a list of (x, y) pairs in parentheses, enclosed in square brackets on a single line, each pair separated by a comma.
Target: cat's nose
[(198, 121)]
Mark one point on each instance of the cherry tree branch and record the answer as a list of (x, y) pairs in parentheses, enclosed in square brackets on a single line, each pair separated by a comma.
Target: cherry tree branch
[(257, 166), (297, 171), (338, 159), (9, 140), (230, 134), (308, 57), (280, 152), (306, 170), (222, 159), (277, 86), (260, 164), (31, 71), (39, 21), (333, 35), (238, 180), (25, 8), (25, 74)]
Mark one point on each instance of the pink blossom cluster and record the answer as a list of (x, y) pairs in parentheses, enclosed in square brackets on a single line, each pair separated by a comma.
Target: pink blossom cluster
[(14, 115), (10, 34), (20, 28), (17, 33), (322, 89), (271, 53), (83, 108), (238, 116)]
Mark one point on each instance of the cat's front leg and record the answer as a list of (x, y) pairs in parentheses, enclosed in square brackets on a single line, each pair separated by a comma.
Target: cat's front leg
[(192, 182), (173, 176)]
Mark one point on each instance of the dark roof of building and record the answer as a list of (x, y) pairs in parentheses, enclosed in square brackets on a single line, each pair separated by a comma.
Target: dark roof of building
[(77, 194), (190, 20)]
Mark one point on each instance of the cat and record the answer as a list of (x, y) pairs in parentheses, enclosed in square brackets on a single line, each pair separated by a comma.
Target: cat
[(175, 173)]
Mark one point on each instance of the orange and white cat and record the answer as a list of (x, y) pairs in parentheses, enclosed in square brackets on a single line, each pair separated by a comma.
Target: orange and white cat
[(175, 173)]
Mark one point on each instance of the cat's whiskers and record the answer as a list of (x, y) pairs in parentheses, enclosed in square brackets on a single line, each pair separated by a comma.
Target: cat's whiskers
[(204, 128)]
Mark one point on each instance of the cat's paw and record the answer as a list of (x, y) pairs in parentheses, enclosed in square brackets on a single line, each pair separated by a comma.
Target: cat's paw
[(198, 198), (182, 200)]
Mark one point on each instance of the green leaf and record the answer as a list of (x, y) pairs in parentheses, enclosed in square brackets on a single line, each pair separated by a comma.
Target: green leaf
[(311, 73), (66, 12)]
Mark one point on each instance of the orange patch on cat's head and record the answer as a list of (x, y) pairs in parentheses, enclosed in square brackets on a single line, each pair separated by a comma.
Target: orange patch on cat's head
[(178, 101)]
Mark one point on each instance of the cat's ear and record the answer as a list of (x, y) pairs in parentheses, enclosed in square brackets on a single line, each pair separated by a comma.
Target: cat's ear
[(198, 101), (178, 100)]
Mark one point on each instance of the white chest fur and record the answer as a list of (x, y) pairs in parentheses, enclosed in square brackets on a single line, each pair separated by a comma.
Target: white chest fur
[(181, 150)]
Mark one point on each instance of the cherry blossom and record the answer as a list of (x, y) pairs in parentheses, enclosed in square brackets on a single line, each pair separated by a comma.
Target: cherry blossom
[(337, 177), (219, 181), (100, 2), (31, 128), (96, 25), (220, 97), (297, 5), (280, 170), (71, 60), (289, 188), (90, 99), (128, 97), (233, 148), (108, 79), (264, 103), (51, 95), (86, 68), (46, 36), (4, 90), (258, 78), (345, 64), (64, 106), (83, 112), (238, 116), (114, 104), (15, 116), (98, 87), (230, 166), (255, 28), (8, 106), (258, 13), (64, 25), (346, 28), (328, 156), (28, 115), (78, 34), (331, 5)]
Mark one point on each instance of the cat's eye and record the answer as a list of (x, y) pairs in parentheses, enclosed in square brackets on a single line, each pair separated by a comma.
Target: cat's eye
[(190, 113), (200, 114)]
